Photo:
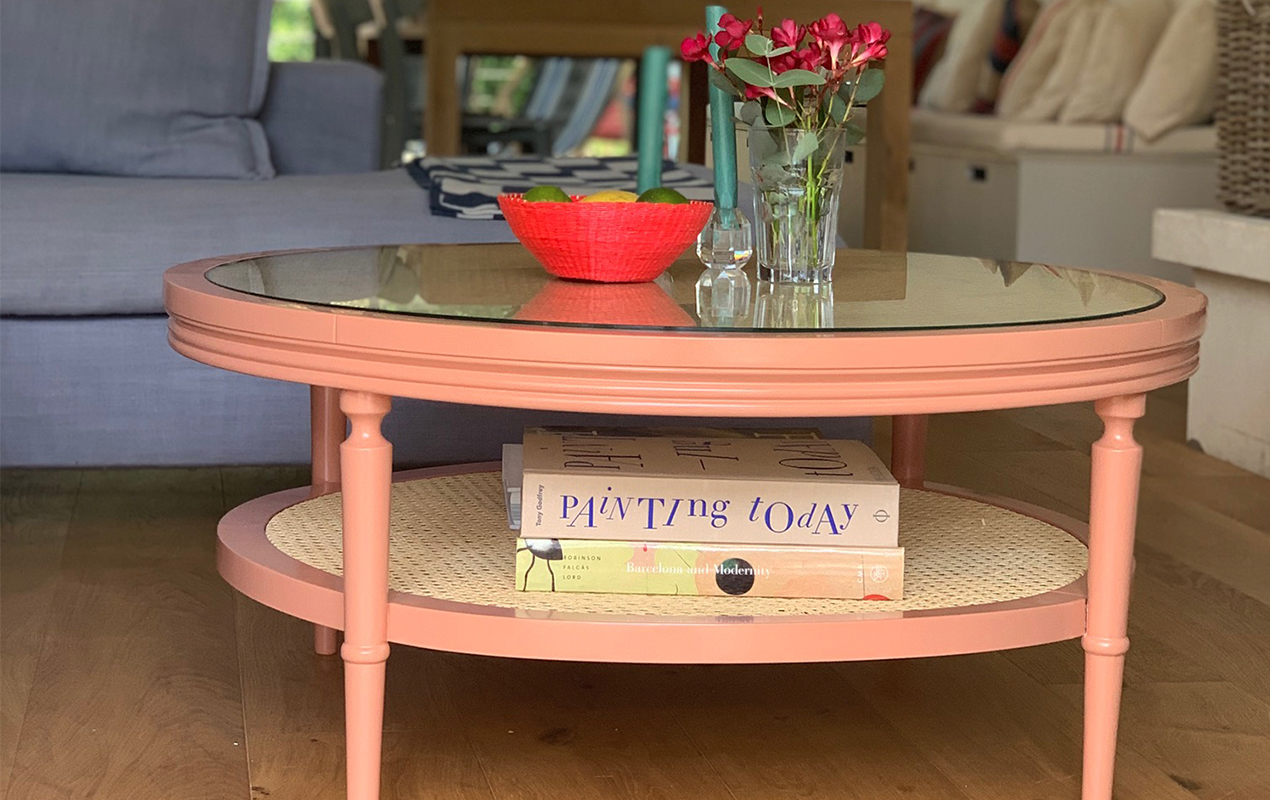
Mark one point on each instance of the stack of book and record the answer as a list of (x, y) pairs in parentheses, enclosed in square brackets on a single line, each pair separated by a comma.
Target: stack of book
[(649, 511)]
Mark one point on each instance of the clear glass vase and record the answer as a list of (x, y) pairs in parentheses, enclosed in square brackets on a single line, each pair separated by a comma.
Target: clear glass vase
[(797, 178)]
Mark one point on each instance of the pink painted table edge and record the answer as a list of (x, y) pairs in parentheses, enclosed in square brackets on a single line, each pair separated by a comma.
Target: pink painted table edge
[(356, 361)]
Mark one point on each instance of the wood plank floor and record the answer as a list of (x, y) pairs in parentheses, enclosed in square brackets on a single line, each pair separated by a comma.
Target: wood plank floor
[(130, 671)]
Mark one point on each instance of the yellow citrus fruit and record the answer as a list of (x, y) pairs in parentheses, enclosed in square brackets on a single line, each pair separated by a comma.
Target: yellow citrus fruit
[(610, 196)]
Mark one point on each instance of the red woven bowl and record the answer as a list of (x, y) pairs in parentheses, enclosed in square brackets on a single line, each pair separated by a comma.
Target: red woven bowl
[(605, 242)]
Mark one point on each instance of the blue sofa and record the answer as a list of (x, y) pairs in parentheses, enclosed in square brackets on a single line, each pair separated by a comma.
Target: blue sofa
[(86, 374)]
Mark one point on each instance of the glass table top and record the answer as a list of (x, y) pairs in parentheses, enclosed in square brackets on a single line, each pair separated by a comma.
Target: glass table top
[(870, 291)]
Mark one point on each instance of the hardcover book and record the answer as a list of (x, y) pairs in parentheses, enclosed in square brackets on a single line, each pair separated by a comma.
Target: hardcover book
[(667, 431), (617, 567), (707, 489), (513, 456)]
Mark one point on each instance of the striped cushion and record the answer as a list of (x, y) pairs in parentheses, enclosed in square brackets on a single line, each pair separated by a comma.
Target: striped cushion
[(930, 34), (1016, 20), (468, 187)]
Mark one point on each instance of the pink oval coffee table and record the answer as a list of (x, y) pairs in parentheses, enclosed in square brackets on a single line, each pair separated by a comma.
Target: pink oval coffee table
[(901, 334)]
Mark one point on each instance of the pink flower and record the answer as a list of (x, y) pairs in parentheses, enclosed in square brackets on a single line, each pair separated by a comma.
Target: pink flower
[(788, 33), (781, 63), (872, 52), (868, 43), (831, 35), (732, 32), (696, 48), (755, 92), (807, 58), (872, 33)]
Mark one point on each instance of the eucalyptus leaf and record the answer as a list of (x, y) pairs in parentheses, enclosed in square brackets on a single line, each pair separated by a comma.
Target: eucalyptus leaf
[(871, 81), (758, 44), (852, 134), (768, 146), (749, 112), (751, 72), (837, 108), (778, 115), (807, 144), (780, 51), (723, 82), (773, 175), (798, 77)]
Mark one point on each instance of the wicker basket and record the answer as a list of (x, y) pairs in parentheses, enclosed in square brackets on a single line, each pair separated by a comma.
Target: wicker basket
[(1243, 114)]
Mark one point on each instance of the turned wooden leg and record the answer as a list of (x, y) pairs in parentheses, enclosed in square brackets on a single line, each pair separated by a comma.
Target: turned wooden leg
[(1113, 506), (908, 449), (326, 424), (366, 461)]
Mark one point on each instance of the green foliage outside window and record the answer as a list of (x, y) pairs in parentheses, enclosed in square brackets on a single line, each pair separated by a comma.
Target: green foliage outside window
[(291, 31)]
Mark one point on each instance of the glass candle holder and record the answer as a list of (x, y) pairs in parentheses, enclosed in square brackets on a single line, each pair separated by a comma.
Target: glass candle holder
[(727, 241)]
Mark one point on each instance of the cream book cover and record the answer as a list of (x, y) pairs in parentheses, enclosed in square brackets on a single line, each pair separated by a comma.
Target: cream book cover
[(824, 492), (615, 567)]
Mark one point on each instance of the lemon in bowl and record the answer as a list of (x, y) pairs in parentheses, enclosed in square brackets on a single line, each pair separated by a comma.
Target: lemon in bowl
[(610, 196)]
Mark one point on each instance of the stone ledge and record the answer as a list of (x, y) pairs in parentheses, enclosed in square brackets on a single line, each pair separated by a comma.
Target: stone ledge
[(1217, 241)]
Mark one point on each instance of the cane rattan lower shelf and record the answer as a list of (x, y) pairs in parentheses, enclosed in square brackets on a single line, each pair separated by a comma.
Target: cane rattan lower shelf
[(1013, 578)]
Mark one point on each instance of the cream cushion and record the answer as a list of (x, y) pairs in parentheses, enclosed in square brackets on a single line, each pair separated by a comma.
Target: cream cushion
[(1127, 33), (1060, 82), (1038, 57), (954, 82), (975, 134), (1179, 86), (949, 7)]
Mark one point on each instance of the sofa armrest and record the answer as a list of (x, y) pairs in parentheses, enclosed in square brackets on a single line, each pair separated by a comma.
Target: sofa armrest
[(323, 117)]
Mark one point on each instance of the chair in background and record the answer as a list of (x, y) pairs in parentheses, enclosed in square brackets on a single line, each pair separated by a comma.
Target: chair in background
[(359, 30), (565, 98)]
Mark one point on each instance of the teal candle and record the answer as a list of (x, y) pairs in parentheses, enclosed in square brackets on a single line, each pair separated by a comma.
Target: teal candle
[(722, 131), (651, 119)]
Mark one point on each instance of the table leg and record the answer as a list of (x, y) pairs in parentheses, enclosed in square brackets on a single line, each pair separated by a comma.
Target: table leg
[(1113, 505), (327, 425), (908, 449), (366, 460)]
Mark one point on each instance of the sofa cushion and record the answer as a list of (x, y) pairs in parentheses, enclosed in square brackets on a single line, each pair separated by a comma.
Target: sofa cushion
[(1127, 33), (993, 134), (930, 35), (134, 87), (1178, 89), (1016, 21), (1060, 83), (1038, 57), (954, 81), (79, 244)]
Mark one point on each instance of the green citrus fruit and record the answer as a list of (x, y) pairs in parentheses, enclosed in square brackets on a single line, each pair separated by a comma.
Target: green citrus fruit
[(661, 194), (546, 194)]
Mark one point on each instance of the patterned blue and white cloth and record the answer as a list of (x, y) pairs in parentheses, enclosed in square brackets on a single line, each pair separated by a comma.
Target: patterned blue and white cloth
[(468, 187)]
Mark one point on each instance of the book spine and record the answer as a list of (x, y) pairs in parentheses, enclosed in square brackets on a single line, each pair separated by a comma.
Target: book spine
[(617, 567), (657, 509)]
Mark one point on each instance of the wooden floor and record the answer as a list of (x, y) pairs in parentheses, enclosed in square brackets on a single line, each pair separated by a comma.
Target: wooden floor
[(130, 671)]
